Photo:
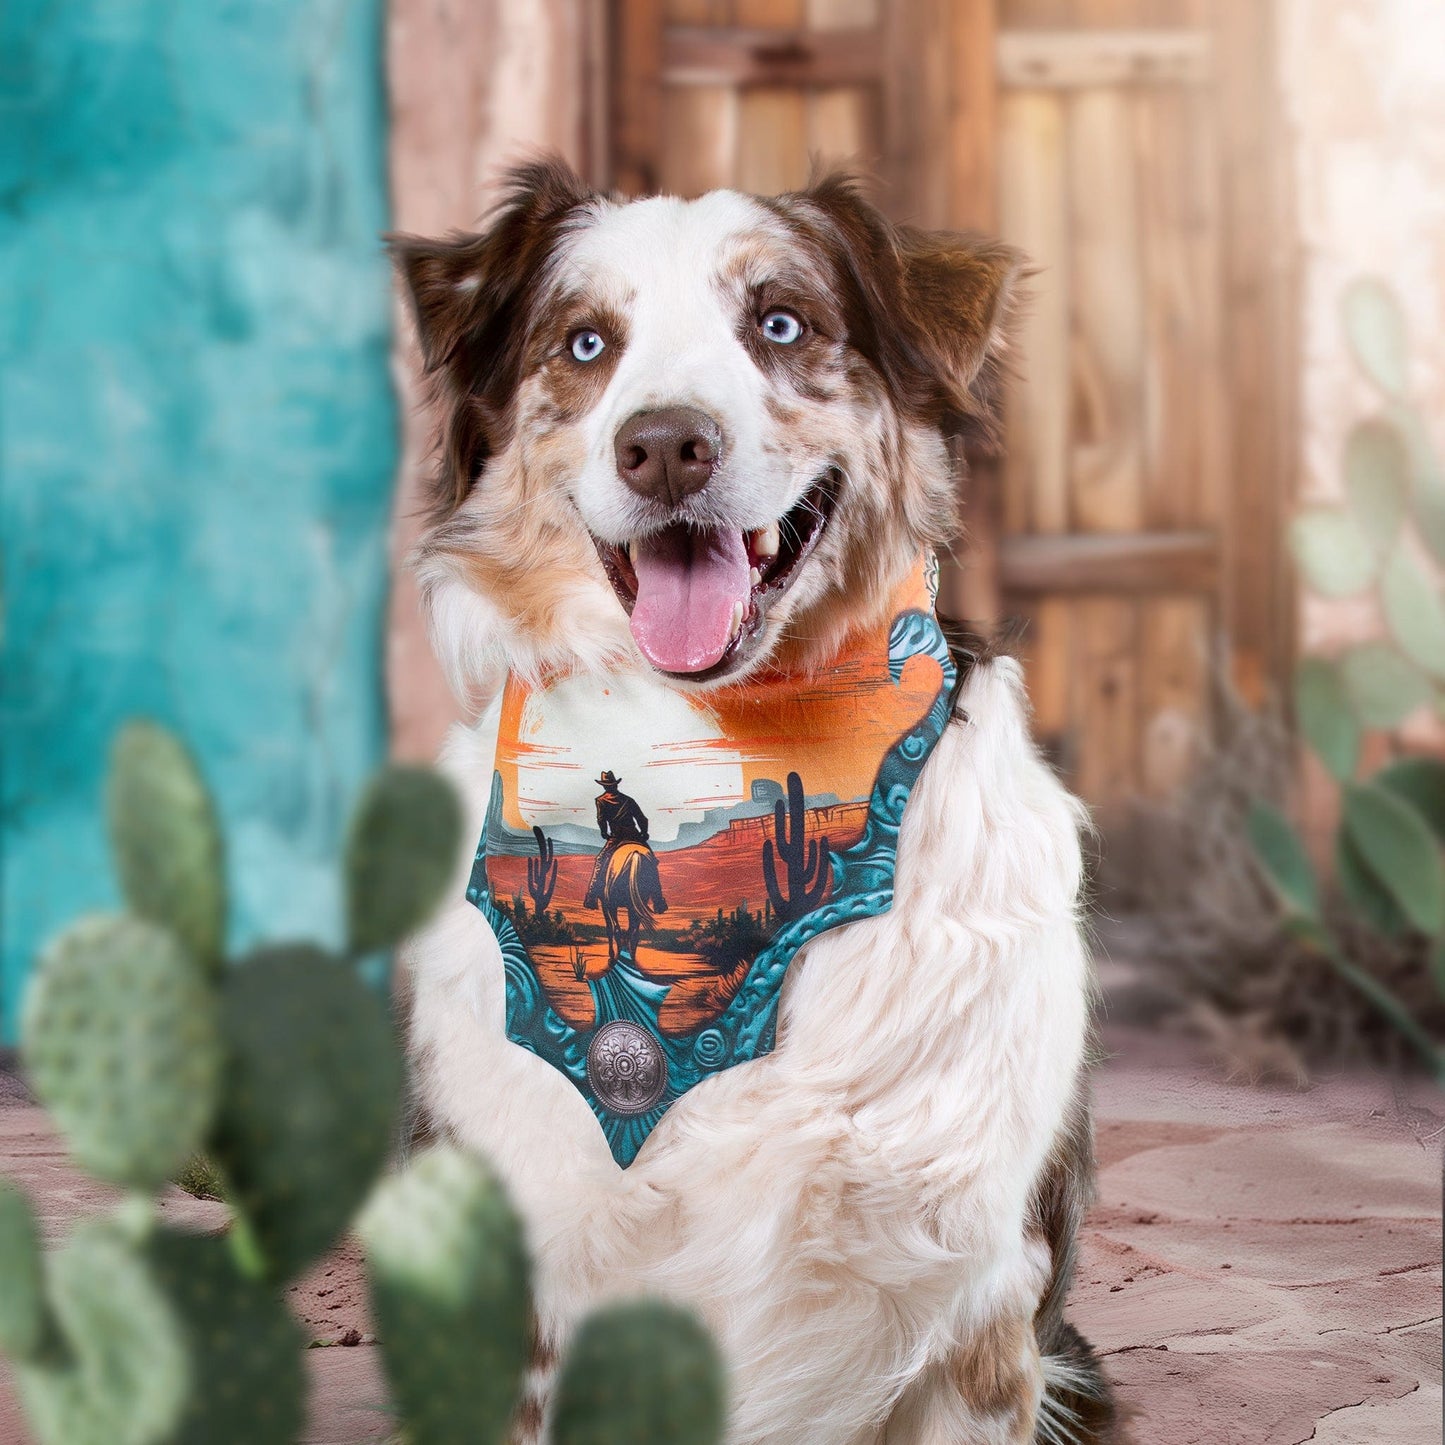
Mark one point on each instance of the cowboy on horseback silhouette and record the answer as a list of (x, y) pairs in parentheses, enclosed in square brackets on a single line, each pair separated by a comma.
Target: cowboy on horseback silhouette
[(625, 874)]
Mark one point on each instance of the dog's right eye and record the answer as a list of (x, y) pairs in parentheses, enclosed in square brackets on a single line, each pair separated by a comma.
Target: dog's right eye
[(587, 345)]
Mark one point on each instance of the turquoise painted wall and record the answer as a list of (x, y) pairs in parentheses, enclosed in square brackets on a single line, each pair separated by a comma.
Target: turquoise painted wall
[(197, 432)]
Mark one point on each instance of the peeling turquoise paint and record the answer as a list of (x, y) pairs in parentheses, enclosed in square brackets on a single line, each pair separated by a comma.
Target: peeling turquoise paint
[(197, 433)]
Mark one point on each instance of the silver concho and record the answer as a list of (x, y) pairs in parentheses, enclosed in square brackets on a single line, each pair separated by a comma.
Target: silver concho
[(626, 1068)]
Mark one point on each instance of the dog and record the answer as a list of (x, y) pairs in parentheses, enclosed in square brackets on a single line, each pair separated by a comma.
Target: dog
[(877, 1219)]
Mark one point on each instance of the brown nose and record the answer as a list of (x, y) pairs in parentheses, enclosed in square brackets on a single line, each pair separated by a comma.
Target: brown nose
[(669, 454)]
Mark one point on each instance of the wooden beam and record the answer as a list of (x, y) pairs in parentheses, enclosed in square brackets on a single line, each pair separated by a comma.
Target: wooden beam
[(636, 99), (1177, 562), (1040, 59), (744, 56)]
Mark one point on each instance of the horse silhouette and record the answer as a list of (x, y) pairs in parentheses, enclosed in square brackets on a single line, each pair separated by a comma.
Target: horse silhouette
[(629, 882)]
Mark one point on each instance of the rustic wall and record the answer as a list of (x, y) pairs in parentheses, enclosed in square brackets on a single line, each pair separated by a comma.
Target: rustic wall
[(473, 87), (1364, 82), (197, 434)]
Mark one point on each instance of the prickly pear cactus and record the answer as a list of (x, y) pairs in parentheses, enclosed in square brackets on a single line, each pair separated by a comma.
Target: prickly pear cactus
[(166, 839), (1389, 535), (645, 1373), (123, 1374), (311, 1099), (122, 1044), (404, 844), (449, 1283), (284, 1070), (24, 1315), (245, 1350)]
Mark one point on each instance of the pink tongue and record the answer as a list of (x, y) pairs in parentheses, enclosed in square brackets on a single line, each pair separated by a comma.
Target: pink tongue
[(688, 584)]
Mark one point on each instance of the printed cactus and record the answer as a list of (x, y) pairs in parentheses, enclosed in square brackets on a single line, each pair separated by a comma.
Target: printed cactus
[(1389, 853), (542, 872), (283, 1069), (808, 867)]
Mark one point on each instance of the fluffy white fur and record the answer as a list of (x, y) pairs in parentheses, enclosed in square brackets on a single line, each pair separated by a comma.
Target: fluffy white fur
[(848, 1209)]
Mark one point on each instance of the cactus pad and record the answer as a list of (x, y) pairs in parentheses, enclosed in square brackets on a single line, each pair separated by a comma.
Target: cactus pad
[(449, 1286), (245, 1349), (166, 838), (23, 1316), (643, 1373), (311, 1099), (401, 853), (122, 1044), (123, 1375)]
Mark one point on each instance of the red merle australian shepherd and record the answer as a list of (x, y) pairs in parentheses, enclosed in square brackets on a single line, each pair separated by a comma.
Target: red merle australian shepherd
[(701, 442)]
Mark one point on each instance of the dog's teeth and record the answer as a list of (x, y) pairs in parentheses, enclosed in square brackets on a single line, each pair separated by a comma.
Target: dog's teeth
[(754, 577), (627, 550), (765, 543), (737, 626)]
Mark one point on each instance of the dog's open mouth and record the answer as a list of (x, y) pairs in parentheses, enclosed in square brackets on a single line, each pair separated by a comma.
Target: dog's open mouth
[(697, 596)]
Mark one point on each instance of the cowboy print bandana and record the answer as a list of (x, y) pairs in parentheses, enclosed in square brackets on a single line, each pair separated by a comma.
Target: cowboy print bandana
[(652, 861)]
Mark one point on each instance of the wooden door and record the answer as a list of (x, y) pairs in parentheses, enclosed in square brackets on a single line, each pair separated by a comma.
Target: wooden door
[(1125, 145), (1146, 466)]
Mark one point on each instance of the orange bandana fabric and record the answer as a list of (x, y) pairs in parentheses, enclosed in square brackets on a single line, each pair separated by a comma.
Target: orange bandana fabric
[(653, 860)]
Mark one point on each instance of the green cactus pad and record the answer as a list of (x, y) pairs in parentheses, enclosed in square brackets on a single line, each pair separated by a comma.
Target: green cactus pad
[(24, 1323), (245, 1349), (401, 854), (124, 1373), (166, 838), (448, 1274), (310, 1102), (640, 1374), (122, 1044)]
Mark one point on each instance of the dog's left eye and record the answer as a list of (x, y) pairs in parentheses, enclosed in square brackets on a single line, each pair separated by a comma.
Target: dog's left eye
[(781, 326), (587, 345)]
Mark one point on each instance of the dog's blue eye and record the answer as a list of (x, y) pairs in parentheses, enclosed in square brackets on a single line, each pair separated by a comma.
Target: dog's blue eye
[(587, 345), (782, 327)]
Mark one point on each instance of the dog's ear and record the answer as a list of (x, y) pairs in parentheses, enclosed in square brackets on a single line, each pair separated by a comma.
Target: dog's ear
[(931, 309), (471, 296)]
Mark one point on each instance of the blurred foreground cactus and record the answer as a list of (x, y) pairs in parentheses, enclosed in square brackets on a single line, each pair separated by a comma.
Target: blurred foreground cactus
[(1389, 851), (283, 1070)]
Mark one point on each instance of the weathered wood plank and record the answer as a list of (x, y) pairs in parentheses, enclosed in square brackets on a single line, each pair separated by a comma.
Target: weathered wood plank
[(1034, 216), (1261, 377), (843, 126), (971, 134), (636, 101), (1073, 58), (770, 14), (1120, 563), (1174, 646), (1106, 698), (772, 150), (842, 14), (699, 139), (732, 55), (1107, 319)]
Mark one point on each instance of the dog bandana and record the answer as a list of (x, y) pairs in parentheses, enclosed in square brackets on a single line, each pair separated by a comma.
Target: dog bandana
[(653, 860)]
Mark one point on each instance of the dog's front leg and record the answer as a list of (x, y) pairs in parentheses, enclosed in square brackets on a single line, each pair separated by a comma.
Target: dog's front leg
[(986, 1392)]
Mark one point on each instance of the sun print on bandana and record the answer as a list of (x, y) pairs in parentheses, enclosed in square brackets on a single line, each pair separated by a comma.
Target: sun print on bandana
[(652, 860)]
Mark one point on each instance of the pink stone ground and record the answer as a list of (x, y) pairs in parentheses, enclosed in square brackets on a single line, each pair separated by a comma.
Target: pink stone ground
[(1262, 1268)]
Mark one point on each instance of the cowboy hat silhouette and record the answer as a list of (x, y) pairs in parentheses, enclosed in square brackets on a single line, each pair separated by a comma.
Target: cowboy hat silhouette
[(609, 779)]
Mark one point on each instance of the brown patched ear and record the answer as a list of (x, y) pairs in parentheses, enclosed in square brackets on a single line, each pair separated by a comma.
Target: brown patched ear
[(930, 309), (472, 296)]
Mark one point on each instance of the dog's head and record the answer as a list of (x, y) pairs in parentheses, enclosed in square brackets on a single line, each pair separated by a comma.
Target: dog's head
[(712, 432)]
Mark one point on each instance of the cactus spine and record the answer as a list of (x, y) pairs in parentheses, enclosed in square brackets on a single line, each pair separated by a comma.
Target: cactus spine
[(542, 872), (807, 868)]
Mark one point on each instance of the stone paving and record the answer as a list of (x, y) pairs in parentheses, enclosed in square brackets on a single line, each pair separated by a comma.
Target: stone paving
[(1262, 1267)]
